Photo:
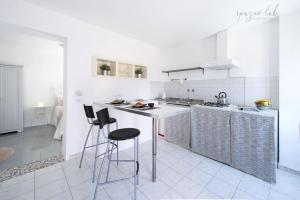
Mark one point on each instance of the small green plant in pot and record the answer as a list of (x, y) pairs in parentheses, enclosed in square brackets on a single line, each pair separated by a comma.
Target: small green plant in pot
[(105, 69), (138, 72)]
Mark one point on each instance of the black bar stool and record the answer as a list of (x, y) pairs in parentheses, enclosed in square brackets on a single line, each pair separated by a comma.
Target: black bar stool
[(89, 112), (114, 136)]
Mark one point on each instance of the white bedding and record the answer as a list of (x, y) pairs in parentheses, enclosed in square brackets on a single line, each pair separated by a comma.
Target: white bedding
[(58, 122), (59, 130)]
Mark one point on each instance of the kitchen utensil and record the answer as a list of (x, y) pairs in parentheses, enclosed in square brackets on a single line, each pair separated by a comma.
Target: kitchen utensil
[(151, 105), (222, 98)]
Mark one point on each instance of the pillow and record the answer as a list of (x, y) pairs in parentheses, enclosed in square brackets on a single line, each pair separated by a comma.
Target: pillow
[(60, 100)]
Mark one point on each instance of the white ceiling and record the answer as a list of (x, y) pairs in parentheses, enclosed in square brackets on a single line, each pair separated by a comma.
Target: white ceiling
[(163, 23)]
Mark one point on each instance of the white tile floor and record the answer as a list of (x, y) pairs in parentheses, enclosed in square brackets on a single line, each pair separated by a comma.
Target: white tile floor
[(181, 175)]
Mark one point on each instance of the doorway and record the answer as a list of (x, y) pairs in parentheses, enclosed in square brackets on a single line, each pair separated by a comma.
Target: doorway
[(34, 137)]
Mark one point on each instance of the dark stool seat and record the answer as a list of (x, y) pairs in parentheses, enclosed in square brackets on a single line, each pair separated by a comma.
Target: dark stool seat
[(124, 134), (111, 121)]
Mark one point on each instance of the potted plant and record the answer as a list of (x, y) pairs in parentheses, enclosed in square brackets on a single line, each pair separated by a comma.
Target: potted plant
[(105, 69), (138, 72)]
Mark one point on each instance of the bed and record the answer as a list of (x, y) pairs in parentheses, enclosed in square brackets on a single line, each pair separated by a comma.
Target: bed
[(57, 118)]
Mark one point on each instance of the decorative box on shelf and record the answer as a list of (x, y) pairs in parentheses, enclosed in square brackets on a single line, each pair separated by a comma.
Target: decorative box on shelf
[(113, 68)]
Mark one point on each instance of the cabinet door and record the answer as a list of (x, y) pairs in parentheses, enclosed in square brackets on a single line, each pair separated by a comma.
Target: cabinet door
[(211, 133), (178, 129), (10, 99), (253, 145)]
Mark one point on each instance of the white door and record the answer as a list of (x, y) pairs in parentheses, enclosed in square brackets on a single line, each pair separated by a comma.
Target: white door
[(10, 99)]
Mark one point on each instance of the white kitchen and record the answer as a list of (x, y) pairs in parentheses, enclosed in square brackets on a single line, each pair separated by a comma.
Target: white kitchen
[(168, 99)]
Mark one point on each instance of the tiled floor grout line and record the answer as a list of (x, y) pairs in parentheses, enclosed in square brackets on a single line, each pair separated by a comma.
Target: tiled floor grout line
[(237, 186), (213, 176), (144, 194), (105, 193), (269, 191), (184, 176), (62, 168)]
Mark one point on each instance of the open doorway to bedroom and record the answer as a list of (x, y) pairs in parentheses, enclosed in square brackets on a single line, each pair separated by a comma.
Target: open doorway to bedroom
[(31, 106)]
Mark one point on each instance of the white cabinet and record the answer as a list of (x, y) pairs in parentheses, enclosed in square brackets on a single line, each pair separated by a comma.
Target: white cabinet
[(11, 104)]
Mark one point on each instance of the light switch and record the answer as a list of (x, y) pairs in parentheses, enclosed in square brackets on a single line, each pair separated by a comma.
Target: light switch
[(78, 93)]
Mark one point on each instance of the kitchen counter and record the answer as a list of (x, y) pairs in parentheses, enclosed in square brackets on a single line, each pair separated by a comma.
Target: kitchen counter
[(161, 110)]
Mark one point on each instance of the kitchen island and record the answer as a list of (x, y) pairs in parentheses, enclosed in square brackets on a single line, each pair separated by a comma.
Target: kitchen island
[(160, 111)]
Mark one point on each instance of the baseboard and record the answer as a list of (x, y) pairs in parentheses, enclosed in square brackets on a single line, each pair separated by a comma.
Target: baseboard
[(287, 169)]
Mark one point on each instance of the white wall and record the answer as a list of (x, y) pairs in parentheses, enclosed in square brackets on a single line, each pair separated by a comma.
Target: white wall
[(254, 46), (289, 96), (256, 49), (42, 63), (83, 42)]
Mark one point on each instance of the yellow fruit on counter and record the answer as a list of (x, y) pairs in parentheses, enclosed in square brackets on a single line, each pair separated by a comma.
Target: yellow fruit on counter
[(263, 102)]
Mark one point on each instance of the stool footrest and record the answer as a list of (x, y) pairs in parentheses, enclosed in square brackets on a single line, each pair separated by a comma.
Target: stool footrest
[(96, 144), (122, 160), (114, 181), (100, 155)]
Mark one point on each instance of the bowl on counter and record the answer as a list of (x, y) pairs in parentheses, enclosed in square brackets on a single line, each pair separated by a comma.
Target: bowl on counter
[(151, 105), (263, 104)]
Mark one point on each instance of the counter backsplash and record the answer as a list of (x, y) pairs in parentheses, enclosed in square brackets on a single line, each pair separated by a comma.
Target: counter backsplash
[(240, 90)]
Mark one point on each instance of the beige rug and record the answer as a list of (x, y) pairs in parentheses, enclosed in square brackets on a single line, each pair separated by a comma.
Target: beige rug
[(6, 153)]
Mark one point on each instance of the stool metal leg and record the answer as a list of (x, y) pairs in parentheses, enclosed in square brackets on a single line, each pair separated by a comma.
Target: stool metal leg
[(99, 174), (96, 152), (84, 147), (109, 158), (135, 166), (108, 131), (117, 127), (137, 152)]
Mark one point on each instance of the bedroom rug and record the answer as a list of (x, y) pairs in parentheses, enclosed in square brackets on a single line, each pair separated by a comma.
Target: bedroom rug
[(6, 153), (26, 168)]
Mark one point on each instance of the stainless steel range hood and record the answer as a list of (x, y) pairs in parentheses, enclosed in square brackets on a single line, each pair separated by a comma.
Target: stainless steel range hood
[(223, 61)]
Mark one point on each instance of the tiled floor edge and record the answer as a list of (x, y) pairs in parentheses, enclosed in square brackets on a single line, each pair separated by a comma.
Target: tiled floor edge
[(27, 168), (287, 169)]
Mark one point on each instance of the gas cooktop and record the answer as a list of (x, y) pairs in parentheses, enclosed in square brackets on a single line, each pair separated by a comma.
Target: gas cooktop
[(184, 102), (189, 102), (214, 104)]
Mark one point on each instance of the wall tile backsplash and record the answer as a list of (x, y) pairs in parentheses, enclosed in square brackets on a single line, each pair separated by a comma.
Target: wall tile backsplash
[(240, 90)]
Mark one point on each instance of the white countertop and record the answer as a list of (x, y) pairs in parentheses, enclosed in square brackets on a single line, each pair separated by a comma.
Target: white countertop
[(161, 110), (164, 110), (232, 108)]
